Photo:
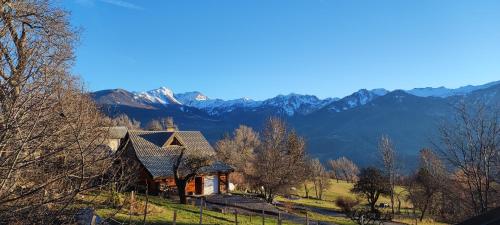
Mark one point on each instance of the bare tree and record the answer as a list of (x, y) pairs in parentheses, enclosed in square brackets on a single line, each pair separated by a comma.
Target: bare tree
[(308, 175), (425, 186), (386, 149), (155, 125), (320, 178), (238, 150), (51, 135), (185, 168), (344, 169), (336, 169), (471, 145), (279, 160), (124, 121)]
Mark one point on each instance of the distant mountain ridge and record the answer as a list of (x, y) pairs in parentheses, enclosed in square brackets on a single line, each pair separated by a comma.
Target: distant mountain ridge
[(333, 127), (444, 92), (290, 104)]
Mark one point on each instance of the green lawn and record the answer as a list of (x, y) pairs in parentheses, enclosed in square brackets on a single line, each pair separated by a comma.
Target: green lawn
[(343, 189), (335, 190), (161, 211)]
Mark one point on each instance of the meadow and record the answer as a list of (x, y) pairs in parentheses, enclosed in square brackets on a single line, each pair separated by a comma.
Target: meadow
[(161, 211)]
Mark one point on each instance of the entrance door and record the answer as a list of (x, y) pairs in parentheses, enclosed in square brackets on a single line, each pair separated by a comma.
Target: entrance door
[(198, 185)]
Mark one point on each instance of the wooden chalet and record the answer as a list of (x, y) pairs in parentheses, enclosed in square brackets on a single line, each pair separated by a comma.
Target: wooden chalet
[(155, 150)]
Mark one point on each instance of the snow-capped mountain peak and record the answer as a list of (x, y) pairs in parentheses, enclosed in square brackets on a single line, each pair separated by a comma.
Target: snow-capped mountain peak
[(293, 103), (162, 95), (213, 106), (359, 98), (187, 97)]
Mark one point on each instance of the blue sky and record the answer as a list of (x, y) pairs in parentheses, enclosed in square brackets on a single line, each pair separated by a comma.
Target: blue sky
[(261, 48)]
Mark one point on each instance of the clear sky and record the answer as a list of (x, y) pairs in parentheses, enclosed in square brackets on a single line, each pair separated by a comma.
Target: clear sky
[(261, 48)]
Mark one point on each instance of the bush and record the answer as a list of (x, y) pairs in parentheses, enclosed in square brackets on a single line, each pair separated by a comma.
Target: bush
[(114, 200), (346, 204)]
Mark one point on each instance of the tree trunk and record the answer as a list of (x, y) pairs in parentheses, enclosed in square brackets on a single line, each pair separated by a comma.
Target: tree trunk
[(306, 189), (372, 206), (399, 205), (181, 188), (423, 210), (392, 200), (316, 189)]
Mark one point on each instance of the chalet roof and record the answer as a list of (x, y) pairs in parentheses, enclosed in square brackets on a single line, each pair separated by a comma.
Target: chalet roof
[(154, 151)]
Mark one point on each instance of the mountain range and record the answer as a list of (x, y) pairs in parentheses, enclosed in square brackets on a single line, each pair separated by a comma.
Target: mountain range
[(348, 126)]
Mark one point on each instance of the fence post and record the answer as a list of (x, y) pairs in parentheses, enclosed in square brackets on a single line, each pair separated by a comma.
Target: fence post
[(201, 211), (94, 218), (175, 218), (236, 216), (307, 218), (263, 217), (279, 218)]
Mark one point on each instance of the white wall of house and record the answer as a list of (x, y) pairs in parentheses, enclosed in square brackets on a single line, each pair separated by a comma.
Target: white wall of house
[(210, 185)]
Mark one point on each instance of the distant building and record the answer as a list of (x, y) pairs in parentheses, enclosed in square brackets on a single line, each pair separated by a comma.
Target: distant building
[(154, 152)]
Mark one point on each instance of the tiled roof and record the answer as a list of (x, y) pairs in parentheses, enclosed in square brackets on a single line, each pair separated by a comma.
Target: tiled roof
[(158, 159)]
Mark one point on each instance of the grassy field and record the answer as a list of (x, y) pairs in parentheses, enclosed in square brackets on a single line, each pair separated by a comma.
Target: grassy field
[(161, 211), (342, 189), (335, 190)]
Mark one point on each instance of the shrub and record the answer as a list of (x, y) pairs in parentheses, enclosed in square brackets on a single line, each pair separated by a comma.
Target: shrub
[(346, 204)]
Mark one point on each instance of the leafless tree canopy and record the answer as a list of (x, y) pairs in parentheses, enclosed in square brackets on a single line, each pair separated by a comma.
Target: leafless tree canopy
[(426, 187), (344, 169), (50, 131), (471, 145), (238, 150), (154, 125), (124, 121), (320, 177), (388, 155), (279, 160)]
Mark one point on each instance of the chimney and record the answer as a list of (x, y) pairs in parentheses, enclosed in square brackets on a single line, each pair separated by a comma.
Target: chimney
[(171, 127)]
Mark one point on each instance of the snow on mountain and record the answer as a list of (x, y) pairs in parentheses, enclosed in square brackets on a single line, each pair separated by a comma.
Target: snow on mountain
[(359, 98), (295, 103), (444, 92), (213, 106), (291, 104), (161, 95), (166, 96), (191, 98)]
